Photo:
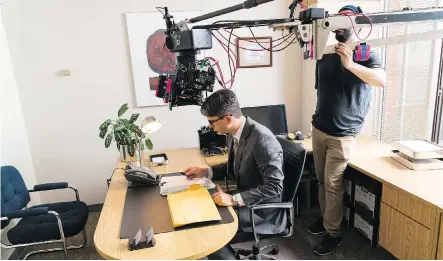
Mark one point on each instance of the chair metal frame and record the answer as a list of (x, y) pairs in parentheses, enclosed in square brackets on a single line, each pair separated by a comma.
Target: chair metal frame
[(60, 228), (256, 252)]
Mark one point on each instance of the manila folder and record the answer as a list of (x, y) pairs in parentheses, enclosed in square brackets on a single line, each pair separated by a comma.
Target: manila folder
[(192, 206)]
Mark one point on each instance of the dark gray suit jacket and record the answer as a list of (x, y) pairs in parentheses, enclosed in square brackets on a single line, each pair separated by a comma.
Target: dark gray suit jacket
[(257, 169)]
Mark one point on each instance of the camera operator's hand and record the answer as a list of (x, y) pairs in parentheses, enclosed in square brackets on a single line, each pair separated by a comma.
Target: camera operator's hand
[(196, 172), (345, 54)]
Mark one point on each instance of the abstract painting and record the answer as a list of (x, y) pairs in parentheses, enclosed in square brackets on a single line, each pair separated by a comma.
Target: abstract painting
[(149, 56)]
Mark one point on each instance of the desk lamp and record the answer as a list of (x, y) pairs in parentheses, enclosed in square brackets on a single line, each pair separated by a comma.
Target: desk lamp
[(149, 124)]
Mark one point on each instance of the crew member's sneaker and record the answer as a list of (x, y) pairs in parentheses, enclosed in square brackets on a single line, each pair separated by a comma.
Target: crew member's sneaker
[(317, 227), (328, 245)]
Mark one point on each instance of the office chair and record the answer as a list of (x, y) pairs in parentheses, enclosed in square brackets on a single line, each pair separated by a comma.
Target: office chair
[(294, 156), (43, 224)]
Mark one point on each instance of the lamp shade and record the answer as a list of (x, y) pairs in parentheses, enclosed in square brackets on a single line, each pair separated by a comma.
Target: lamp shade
[(150, 124)]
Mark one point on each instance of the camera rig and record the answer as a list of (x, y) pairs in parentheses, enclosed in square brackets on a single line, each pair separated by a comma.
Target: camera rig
[(194, 78)]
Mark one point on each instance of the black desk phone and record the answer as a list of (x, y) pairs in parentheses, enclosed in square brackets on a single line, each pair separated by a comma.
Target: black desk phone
[(141, 176)]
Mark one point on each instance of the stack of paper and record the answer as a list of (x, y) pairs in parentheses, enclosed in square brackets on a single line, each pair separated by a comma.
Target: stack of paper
[(174, 184)]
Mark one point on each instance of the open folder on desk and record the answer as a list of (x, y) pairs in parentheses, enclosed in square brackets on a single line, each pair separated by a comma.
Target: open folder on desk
[(194, 205)]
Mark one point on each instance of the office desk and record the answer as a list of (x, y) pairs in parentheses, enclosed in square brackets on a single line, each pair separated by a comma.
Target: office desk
[(218, 159), (186, 244), (411, 203), (440, 239)]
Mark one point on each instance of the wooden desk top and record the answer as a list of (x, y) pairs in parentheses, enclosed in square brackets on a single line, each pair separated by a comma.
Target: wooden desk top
[(373, 158), (214, 160), (186, 244), (307, 144)]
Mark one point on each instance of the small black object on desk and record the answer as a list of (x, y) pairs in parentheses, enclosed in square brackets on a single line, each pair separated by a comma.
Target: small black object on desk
[(135, 243), (152, 158), (208, 138)]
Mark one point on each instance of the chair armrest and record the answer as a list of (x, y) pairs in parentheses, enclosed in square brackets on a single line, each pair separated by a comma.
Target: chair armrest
[(273, 205), (55, 185), (51, 186), (283, 205), (27, 212)]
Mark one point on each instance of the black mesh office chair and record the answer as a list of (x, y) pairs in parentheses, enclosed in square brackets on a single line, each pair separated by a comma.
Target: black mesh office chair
[(294, 156)]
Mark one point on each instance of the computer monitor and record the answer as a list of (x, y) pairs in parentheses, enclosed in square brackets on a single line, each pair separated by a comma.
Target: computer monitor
[(271, 116)]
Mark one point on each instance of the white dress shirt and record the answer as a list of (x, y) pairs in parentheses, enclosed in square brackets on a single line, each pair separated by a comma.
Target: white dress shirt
[(237, 197)]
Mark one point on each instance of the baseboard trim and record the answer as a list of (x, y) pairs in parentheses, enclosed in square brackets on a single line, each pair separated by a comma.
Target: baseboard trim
[(17, 253), (95, 207)]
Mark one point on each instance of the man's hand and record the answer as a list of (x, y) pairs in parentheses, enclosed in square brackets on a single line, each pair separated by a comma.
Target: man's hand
[(222, 199), (345, 54), (373, 76), (196, 172)]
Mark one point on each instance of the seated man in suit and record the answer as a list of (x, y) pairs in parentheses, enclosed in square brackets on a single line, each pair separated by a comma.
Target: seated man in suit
[(255, 162)]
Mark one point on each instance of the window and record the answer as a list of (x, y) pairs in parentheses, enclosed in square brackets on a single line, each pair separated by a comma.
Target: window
[(404, 109)]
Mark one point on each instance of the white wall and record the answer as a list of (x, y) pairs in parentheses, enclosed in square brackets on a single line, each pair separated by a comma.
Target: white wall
[(62, 114), (308, 92), (14, 140)]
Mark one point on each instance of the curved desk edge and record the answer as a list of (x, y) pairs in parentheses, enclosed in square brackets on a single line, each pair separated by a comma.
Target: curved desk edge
[(107, 240)]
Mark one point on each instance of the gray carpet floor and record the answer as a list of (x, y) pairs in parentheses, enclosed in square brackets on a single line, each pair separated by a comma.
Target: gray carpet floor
[(299, 246)]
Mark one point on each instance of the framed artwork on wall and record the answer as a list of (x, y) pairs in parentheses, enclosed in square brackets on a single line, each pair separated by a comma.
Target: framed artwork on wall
[(149, 56), (254, 52)]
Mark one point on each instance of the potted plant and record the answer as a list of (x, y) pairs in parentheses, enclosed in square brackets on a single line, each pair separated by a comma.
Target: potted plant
[(126, 134)]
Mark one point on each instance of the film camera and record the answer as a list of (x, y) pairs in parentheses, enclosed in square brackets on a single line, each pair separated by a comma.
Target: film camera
[(188, 86), (193, 78)]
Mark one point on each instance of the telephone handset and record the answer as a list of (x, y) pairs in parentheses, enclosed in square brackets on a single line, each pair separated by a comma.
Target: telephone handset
[(141, 176)]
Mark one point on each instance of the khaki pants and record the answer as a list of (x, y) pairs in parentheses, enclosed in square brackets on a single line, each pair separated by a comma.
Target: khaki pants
[(331, 156)]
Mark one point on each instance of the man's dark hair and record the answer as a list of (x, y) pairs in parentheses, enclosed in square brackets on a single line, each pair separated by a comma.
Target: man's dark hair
[(220, 103)]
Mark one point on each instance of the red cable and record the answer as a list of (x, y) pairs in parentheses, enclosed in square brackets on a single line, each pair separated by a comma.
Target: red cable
[(311, 54), (233, 63), (353, 26), (253, 41), (303, 6), (225, 47)]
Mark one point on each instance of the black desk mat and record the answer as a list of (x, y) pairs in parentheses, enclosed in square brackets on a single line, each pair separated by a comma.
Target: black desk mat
[(145, 208)]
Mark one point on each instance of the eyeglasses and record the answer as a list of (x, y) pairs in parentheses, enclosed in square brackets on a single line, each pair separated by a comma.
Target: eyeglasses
[(211, 122)]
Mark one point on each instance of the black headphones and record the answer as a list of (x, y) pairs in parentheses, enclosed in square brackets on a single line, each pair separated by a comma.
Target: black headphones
[(297, 135)]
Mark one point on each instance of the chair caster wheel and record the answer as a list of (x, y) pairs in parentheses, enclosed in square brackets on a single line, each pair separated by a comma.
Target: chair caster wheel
[(275, 251)]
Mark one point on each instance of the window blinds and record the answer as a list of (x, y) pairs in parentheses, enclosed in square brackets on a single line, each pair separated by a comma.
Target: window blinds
[(402, 107)]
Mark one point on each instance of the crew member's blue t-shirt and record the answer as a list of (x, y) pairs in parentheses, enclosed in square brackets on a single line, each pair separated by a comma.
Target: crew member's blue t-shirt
[(342, 98)]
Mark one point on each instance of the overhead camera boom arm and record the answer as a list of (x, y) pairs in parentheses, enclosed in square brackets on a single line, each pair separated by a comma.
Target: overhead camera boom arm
[(311, 29)]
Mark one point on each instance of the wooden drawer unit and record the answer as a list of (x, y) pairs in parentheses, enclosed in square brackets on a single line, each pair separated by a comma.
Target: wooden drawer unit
[(403, 237), (418, 210), (440, 240)]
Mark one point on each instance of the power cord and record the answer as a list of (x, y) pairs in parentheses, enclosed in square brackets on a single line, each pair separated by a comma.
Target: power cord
[(114, 172), (229, 55)]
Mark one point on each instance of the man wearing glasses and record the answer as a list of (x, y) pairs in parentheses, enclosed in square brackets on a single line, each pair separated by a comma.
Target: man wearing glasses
[(255, 163)]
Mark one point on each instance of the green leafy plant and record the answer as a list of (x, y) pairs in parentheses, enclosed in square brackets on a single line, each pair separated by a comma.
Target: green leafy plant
[(124, 132)]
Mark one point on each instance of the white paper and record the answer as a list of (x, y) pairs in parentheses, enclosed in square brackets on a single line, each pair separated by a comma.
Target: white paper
[(158, 159), (364, 226), (138, 237), (253, 56), (420, 145), (180, 183), (365, 197)]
